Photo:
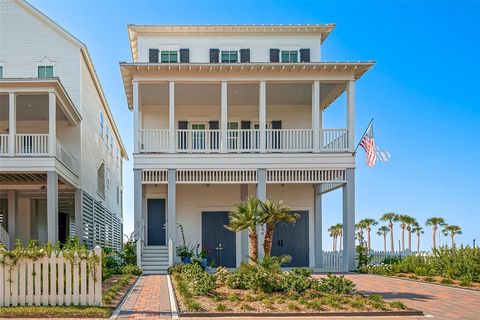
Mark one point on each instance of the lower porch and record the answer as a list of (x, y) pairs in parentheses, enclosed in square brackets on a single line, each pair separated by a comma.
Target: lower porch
[(202, 208)]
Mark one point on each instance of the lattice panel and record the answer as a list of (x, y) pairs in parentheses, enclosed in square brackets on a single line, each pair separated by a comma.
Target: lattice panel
[(87, 219), (305, 176)]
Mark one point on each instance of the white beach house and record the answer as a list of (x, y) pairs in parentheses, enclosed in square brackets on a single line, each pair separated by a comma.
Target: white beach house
[(224, 112), (60, 151)]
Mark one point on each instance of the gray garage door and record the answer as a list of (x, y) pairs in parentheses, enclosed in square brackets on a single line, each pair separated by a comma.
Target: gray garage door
[(292, 240)]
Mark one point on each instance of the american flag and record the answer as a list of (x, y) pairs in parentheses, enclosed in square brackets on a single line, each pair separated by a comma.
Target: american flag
[(368, 144)]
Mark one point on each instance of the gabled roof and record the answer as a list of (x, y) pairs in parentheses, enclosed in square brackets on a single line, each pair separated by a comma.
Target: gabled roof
[(86, 55), (320, 30)]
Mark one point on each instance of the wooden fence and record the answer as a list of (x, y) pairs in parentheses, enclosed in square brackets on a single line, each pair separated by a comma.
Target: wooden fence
[(54, 280)]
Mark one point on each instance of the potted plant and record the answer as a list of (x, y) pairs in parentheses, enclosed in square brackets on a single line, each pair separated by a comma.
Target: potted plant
[(184, 251), (204, 255)]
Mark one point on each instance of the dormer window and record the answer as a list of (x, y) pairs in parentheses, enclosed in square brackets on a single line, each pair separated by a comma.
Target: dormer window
[(229, 56), (289, 56), (45, 71), (169, 56)]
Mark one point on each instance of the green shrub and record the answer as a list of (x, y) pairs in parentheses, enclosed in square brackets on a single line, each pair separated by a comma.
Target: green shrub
[(334, 285), (297, 281), (398, 305), (446, 281), (129, 252), (132, 269), (220, 307), (199, 281)]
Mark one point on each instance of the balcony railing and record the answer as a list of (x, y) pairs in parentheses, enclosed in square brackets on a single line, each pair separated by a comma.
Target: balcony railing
[(31, 144), (3, 144), (66, 157), (243, 140)]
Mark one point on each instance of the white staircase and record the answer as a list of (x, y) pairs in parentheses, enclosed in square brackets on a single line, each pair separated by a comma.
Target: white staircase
[(155, 259)]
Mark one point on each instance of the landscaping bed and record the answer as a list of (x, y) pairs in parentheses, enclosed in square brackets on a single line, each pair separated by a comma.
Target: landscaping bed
[(55, 312), (115, 288), (459, 267), (265, 290)]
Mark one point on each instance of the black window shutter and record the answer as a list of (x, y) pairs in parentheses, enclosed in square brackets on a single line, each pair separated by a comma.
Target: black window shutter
[(184, 55), (215, 135), (304, 55), (244, 55), (153, 55), (182, 135), (274, 55), (213, 125), (214, 53), (277, 124), (245, 124)]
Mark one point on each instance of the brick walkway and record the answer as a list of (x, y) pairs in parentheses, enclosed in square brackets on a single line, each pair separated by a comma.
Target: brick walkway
[(148, 300)]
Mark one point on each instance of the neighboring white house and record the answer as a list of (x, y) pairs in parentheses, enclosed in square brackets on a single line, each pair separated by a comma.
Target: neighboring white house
[(60, 151), (226, 112)]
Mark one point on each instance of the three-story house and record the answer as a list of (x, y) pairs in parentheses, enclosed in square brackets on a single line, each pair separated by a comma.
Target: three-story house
[(221, 113)]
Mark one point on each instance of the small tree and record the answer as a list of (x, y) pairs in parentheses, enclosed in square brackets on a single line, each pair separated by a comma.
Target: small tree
[(247, 215), (383, 231), (273, 213), (418, 231), (435, 222), (390, 217)]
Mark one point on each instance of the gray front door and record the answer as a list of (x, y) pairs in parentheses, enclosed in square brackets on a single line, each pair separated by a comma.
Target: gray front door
[(292, 240), (218, 240), (156, 222)]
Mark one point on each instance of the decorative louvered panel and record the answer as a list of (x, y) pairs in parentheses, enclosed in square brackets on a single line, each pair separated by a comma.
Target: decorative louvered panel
[(154, 176), (71, 225), (305, 176), (99, 224), (216, 176), (108, 229), (87, 219)]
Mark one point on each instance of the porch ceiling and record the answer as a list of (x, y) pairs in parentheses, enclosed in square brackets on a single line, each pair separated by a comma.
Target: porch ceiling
[(32, 107)]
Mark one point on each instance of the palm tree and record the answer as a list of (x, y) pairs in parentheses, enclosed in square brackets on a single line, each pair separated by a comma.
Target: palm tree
[(410, 221), (404, 221), (339, 228), (333, 233), (360, 226), (418, 231), (273, 213), (382, 231), (247, 215), (452, 231), (434, 222), (368, 223), (390, 217)]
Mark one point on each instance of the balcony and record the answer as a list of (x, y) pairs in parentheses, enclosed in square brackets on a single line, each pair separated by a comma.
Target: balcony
[(243, 141)]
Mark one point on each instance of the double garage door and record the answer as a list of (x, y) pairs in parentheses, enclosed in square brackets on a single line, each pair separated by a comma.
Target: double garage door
[(288, 239)]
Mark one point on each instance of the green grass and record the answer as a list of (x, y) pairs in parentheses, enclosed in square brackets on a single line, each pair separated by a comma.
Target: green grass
[(55, 312)]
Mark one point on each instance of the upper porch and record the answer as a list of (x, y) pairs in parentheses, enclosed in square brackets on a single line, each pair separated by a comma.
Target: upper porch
[(39, 127)]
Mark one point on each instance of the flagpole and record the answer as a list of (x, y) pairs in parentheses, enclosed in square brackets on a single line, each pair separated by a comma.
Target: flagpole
[(354, 152)]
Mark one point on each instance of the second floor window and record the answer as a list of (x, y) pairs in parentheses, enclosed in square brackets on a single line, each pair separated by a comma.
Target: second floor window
[(102, 120), (45, 71), (111, 143), (168, 56), (107, 133), (108, 178), (1, 72), (229, 56), (101, 180), (290, 56)]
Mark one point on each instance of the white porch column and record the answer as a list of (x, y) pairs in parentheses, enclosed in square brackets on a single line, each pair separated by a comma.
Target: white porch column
[(12, 123), (171, 116), (78, 215), (52, 207), (224, 116), (349, 221), (137, 204), (12, 214), (262, 195), (262, 115), (52, 123), (318, 226), (171, 215), (351, 114), (136, 119), (316, 113)]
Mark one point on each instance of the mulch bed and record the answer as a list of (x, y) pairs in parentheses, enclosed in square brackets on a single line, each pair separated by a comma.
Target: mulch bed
[(436, 280), (119, 297)]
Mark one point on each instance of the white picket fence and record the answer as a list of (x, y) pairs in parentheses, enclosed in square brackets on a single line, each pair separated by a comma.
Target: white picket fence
[(53, 281), (333, 260)]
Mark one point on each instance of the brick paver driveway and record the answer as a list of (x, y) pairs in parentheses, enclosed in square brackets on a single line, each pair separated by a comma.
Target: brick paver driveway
[(148, 300), (441, 302)]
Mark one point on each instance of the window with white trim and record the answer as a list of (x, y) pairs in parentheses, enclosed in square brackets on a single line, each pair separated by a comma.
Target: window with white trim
[(1, 71), (45, 71), (102, 124), (289, 55), (229, 56), (168, 56), (107, 133), (101, 180)]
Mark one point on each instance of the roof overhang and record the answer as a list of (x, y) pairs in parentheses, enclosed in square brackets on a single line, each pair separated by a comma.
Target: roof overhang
[(248, 72), (43, 85), (320, 30)]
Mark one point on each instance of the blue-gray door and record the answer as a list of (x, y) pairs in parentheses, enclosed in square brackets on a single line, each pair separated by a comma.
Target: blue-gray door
[(292, 240), (156, 222), (218, 240)]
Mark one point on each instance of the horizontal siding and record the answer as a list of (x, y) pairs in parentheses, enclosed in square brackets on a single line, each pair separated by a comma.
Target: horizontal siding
[(199, 45), (27, 42)]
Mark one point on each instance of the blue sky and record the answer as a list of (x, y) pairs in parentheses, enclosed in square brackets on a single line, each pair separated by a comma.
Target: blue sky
[(424, 91)]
